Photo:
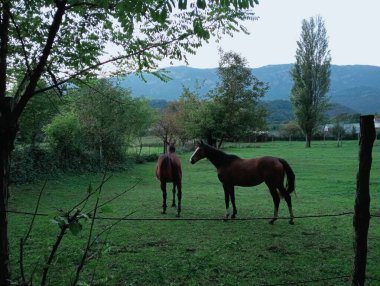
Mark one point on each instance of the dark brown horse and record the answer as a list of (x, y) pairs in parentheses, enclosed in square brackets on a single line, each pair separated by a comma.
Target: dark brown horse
[(169, 170), (234, 171)]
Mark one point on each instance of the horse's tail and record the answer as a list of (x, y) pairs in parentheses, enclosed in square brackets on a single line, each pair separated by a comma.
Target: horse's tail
[(168, 165), (175, 170), (290, 176), (170, 168)]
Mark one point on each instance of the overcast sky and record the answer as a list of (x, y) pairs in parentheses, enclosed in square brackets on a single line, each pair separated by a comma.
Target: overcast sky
[(353, 28)]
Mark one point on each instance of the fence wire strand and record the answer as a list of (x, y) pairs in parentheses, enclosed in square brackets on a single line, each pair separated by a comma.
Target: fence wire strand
[(191, 219), (346, 277), (198, 219)]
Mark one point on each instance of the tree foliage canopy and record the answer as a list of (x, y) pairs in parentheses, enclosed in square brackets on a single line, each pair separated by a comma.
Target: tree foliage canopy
[(231, 110), (59, 40), (236, 110)]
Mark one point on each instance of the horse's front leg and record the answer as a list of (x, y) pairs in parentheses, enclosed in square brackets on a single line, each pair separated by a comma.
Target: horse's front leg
[(227, 201), (232, 195), (164, 195)]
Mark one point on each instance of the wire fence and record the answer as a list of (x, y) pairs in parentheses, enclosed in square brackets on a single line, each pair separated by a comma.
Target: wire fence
[(199, 219), (344, 278)]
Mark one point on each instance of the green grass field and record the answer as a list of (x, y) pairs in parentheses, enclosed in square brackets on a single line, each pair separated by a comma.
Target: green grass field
[(209, 252)]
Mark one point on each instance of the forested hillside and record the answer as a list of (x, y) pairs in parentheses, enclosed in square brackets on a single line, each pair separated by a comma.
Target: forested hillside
[(354, 88)]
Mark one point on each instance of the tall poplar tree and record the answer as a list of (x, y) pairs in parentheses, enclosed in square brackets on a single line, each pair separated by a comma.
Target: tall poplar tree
[(311, 77)]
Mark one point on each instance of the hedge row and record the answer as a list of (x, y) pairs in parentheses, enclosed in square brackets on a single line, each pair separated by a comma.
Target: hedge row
[(29, 163)]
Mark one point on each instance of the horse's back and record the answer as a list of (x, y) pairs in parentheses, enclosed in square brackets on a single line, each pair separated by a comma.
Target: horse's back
[(267, 166), (267, 162), (251, 172)]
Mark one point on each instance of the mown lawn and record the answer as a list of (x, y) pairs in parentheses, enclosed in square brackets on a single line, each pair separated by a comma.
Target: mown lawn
[(208, 252)]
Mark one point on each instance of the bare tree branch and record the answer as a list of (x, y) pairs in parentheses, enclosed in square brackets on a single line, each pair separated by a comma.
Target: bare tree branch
[(55, 82), (84, 71)]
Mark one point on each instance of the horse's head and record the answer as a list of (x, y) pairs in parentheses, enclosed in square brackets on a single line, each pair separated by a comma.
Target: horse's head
[(170, 146), (199, 153)]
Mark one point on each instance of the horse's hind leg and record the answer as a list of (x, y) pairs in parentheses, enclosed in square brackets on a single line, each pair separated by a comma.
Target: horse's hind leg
[(276, 203), (179, 197), (288, 200), (173, 202), (164, 195)]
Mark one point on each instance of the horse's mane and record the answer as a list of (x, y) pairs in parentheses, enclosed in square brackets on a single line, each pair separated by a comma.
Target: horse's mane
[(218, 157)]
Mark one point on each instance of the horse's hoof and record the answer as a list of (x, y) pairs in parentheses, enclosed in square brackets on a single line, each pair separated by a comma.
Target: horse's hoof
[(271, 222), (163, 212), (291, 222), (174, 205), (233, 216), (225, 218), (178, 215)]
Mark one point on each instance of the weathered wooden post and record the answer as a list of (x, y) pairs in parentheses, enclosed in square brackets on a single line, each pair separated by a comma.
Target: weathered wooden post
[(362, 200)]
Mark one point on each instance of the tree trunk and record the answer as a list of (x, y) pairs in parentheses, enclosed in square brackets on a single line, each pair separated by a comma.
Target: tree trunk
[(165, 144), (211, 141), (101, 153), (4, 244), (308, 140), (11, 109), (362, 201), (220, 143), (8, 130)]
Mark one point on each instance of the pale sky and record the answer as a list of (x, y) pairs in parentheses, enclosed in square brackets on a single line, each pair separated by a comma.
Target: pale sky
[(353, 28)]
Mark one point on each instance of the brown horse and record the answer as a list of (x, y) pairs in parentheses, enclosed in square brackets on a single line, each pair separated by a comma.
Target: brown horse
[(169, 170), (234, 171)]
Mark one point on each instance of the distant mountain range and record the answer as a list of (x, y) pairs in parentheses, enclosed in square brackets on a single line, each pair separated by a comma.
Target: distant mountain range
[(354, 88)]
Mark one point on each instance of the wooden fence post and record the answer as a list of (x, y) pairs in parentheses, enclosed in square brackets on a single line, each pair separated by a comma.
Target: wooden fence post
[(362, 200)]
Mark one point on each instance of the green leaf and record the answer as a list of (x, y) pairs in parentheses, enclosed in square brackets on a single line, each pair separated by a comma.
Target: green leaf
[(61, 221), (201, 4), (163, 15), (75, 228), (182, 4), (85, 216)]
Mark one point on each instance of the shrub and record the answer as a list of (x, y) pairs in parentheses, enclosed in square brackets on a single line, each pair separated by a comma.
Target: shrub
[(64, 136), (31, 161)]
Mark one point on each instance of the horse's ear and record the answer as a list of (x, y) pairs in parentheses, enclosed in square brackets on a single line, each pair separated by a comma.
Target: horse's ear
[(201, 143)]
